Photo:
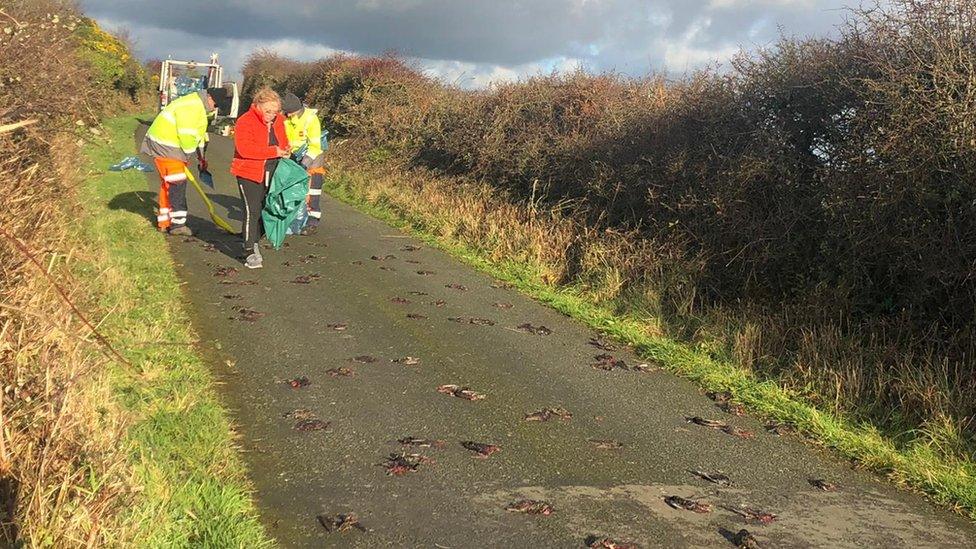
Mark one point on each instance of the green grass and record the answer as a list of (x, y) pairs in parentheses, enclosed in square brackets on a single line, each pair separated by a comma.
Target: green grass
[(190, 488), (917, 465)]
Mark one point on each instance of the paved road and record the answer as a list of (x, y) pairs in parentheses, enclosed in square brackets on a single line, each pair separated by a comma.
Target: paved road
[(457, 500)]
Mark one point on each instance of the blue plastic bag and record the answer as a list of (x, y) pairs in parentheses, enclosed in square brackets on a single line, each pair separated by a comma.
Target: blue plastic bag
[(299, 223), (131, 162)]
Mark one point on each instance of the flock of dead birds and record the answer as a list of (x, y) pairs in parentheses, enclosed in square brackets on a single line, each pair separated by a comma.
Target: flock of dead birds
[(405, 462)]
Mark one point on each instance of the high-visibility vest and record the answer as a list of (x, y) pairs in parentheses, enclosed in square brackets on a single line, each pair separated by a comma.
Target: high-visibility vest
[(182, 124), (305, 130)]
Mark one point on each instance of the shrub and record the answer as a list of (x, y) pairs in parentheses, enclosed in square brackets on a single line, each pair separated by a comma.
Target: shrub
[(818, 190)]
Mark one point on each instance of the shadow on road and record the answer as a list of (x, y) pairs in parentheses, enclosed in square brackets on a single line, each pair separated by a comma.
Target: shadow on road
[(142, 203), (233, 205)]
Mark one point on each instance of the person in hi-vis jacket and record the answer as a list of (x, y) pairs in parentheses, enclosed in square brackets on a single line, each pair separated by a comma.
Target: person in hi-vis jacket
[(178, 131), (305, 132)]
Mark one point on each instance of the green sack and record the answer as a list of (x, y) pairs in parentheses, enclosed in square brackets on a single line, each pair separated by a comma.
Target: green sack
[(286, 194)]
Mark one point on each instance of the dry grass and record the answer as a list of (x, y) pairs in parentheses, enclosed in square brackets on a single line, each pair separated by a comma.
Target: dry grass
[(61, 467), (62, 472)]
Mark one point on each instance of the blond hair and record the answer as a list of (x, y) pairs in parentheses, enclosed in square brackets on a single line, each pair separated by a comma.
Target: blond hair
[(267, 95)]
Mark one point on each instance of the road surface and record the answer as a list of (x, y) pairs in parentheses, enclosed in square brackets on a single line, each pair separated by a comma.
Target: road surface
[(263, 328)]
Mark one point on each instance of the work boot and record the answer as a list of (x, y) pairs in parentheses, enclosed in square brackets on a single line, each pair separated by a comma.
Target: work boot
[(254, 261), (180, 230)]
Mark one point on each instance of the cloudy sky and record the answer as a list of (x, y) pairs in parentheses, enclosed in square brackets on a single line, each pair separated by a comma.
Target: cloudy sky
[(472, 42)]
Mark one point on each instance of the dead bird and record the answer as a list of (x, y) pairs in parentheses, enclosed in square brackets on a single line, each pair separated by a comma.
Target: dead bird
[(340, 523), (406, 361), (606, 444), (599, 542), (678, 502), (646, 368), (456, 287), (421, 442), (363, 359), (461, 392), (338, 326), (415, 316), (306, 279), (403, 463), (717, 477), (472, 321), (546, 414), (311, 424), (744, 540), (500, 305), (754, 514), (602, 344), (224, 272), (248, 315), (531, 507), (399, 300), (534, 330), (720, 425), (298, 382), (340, 372), (822, 484), (481, 450), (608, 362), (383, 258), (411, 248), (299, 414), (238, 282)]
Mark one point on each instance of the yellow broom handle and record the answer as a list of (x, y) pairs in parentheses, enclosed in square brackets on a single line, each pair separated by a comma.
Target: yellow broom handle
[(219, 221)]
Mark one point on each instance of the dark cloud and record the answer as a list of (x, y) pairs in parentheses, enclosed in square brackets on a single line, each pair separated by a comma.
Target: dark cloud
[(627, 35)]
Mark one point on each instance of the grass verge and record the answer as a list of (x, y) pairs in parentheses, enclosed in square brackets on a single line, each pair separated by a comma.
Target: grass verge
[(918, 464), (189, 482)]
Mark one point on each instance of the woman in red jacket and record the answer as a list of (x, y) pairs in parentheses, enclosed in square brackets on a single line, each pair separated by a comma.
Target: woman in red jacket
[(259, 141)]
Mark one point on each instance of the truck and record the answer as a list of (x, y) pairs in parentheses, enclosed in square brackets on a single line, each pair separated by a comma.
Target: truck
[(178, 78)]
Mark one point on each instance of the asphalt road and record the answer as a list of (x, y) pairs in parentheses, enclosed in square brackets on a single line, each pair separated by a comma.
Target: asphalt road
[(456, 499)]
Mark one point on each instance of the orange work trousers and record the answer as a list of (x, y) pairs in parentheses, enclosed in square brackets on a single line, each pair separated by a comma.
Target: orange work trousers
[(172, 193)]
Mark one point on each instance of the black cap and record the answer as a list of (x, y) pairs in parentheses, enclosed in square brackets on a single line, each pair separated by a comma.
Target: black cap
[(290, 103), (221, 98)]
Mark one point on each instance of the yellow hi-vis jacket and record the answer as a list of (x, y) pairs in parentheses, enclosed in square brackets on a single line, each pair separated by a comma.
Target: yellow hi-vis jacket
[(181, 126), (305, 129)]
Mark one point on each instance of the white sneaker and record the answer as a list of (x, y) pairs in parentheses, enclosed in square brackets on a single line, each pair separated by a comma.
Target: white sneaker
[(254, 261)]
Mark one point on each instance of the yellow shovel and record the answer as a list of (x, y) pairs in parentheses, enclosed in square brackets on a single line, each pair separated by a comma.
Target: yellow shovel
[(219, 221)]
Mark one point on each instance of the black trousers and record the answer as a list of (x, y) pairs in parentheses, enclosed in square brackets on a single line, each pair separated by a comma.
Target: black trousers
[(253, 195)]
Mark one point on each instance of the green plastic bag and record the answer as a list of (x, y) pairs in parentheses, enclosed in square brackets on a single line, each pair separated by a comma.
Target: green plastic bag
[(286, 194)]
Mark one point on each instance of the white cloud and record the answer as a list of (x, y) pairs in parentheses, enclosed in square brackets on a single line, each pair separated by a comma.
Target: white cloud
[(473, 42)]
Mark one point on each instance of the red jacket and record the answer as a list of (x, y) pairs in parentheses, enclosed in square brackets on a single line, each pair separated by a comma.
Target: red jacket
[(252, 146)]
